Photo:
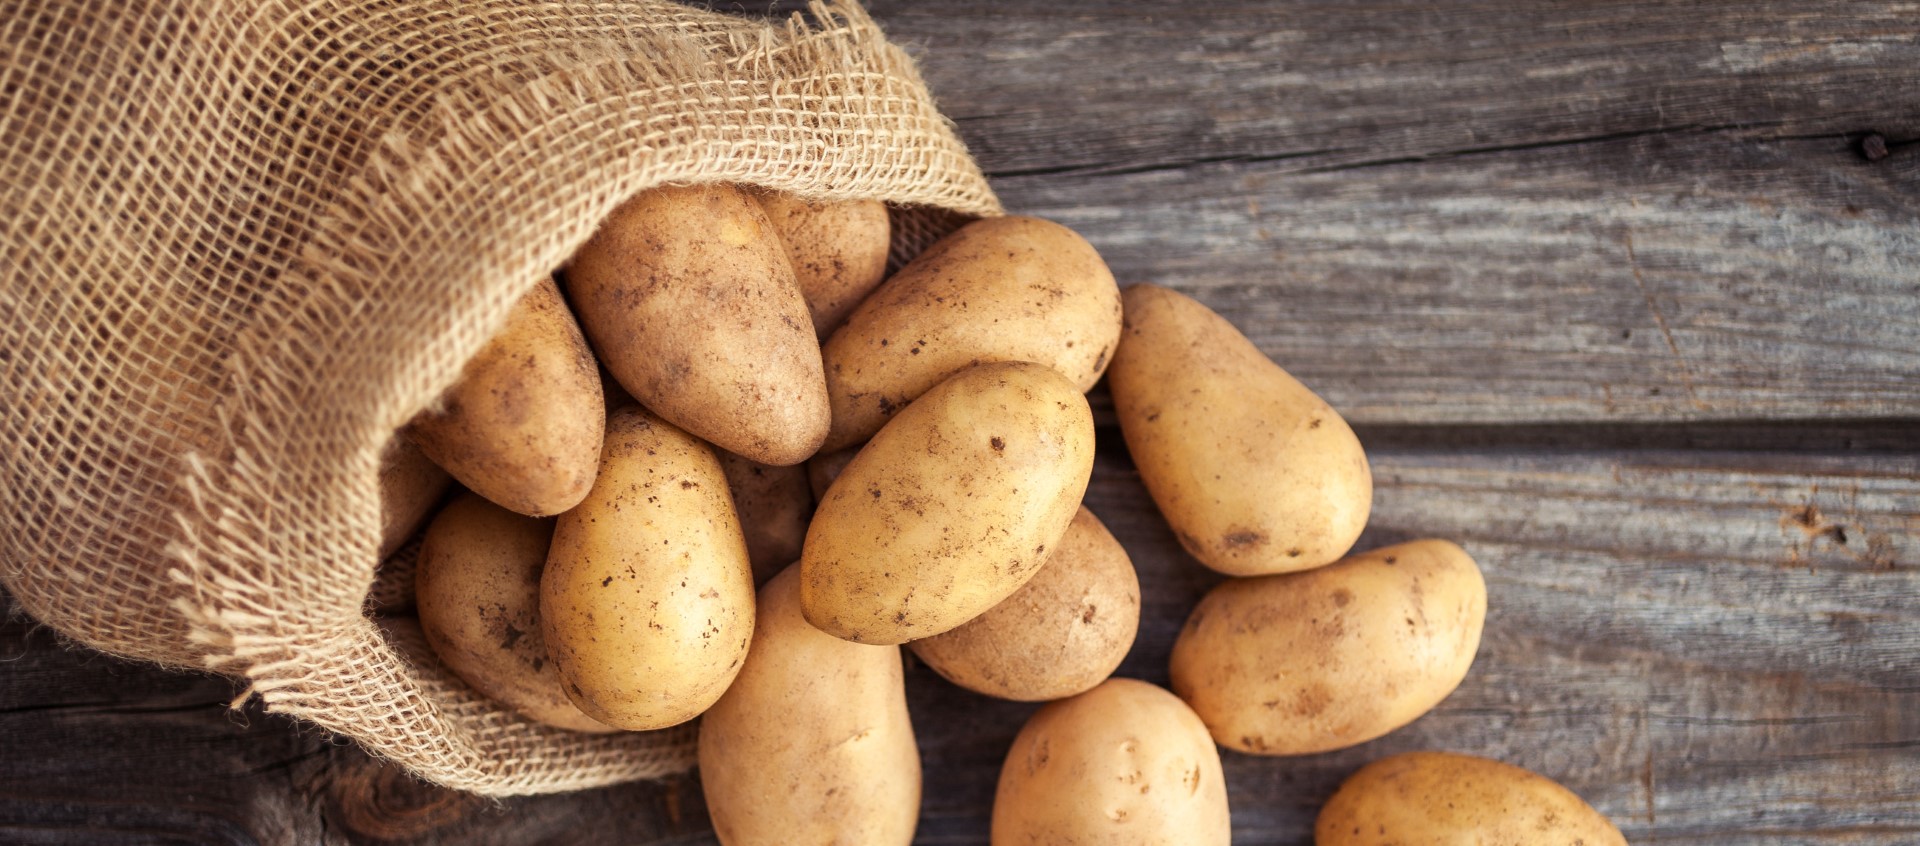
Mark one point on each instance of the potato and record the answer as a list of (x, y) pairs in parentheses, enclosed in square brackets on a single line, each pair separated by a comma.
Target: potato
[(1300, 663), (1123, 763), (523, 425), (477, 588), (774, 505), (838, 251), (1002, 289), (1062, 633), (812, 743), (690, 301), (822, 469), (951, 507), (410, 486), (1254, 472), (647, 601), (1443, 798)]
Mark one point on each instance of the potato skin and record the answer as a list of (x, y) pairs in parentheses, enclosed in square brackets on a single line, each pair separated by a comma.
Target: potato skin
[(1063, 632), (1000, 289), (1254, 472), (410, 486), (647, 600), (1300, 663), (774, 505), (1123, 763), (812, 743), (477, 590), (1439, 798), (523, 425), (838, 251), (822, 469), (951, 508), (689, 299)]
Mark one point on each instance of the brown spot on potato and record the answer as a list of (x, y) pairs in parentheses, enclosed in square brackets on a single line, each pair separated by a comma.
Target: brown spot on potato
[(1341, 597), (999, 443), (1243, 537)]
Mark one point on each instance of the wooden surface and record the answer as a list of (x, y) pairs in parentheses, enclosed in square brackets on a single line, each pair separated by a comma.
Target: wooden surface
[(1611, 293)]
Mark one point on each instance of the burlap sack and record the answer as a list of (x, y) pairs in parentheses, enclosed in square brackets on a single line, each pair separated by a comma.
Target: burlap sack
[(245, 241)]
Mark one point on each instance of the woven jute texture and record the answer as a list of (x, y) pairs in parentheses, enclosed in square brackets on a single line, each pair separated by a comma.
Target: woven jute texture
[(243, 241)]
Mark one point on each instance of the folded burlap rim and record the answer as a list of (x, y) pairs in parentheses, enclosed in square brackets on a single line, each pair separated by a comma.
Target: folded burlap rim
[(243, 242)]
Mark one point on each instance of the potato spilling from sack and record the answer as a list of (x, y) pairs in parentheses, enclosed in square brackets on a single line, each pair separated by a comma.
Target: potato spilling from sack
[(951, 507), (1439, 797), (1254, 472)]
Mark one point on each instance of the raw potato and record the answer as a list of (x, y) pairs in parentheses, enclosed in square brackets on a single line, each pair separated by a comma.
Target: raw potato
[(477, 589), (838, 251), (1124, 763), (689, 298), (410, 485), (774, 505), (647, 602), (523, 425), (812, 743), (1254, 472), (951, 508), (822, 469), (1442, 798), (1309, 662), (1001, 289), (1064, 632)]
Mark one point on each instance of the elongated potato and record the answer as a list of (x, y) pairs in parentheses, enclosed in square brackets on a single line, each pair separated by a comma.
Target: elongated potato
[(1254, 472), (1062, 633), (523, 425), (410, 486), (1440, 797), (812, 743), (838, 251), (647, 601), (1125, 764), (1001, 289), (774, 505), (690, 301), (477, 589), (951, 508), (1308, 662)]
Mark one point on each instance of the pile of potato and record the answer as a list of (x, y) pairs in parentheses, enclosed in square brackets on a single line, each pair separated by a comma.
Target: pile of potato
[(642, 449)]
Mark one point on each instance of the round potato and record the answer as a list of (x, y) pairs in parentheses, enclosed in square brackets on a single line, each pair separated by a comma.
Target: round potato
[(688, 297), (523, 425), (477, 589), (1001, 289), (774, 505), (951, 508), (1309, 662), (838, 251), (812, 743), (1062, 633), (1254, 472), (822, 469), (1443, 798), (410, 485), (1124, 763), (647, 601)]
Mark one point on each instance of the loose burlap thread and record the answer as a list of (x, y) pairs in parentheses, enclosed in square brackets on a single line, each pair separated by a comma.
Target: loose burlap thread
[(245, 241)]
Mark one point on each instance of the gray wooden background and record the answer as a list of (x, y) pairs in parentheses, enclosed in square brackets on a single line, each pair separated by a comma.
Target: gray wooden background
[(1624, 297)]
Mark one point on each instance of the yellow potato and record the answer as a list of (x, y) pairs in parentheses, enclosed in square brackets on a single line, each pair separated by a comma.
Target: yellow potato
[(691, 303), (477, 588), (1441, 798), (774, 505), (1062, 633), (812, 743), (522, 427), (1300, 663), (1254, 472), (838, 251), (822, 469), (951, 508), (1001, 289), (410, 485), (1123, 764), (647, 601)]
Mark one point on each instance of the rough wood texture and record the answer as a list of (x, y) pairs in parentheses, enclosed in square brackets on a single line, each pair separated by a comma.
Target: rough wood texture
[(1612, 293)]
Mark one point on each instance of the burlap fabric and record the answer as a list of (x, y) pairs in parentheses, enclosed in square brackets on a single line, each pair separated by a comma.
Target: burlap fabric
[(243, 241)]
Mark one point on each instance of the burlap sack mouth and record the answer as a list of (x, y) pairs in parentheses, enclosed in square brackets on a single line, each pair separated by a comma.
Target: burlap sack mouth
[(245, 242)]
